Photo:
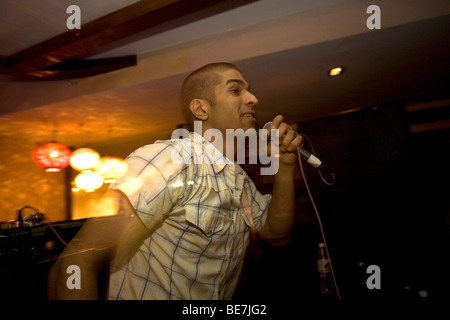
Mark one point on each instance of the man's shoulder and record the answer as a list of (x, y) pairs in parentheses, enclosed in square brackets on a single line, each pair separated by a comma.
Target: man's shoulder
[(157, 146), (176, 150)]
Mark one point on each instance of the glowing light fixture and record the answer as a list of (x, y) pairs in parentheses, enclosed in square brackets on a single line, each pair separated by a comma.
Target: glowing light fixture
[(111, 168), (88, 181), (52, 156), (84, 159), (335, 72)]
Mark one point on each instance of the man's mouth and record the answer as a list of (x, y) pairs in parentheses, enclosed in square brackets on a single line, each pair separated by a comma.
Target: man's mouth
[(249, 115)]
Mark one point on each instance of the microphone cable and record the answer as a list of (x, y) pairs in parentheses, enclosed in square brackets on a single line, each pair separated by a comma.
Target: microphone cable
[(315, 207)]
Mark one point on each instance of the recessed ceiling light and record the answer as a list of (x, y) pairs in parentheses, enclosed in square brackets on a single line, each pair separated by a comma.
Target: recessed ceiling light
[(335, 72)]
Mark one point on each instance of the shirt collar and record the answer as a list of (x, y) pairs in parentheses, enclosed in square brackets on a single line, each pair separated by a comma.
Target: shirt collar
[(215, 157)]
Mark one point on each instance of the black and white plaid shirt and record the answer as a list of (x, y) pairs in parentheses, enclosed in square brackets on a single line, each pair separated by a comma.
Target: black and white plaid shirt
[(201, 213)]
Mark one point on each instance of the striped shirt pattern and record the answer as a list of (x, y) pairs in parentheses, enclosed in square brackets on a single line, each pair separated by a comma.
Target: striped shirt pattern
[(200, 208)]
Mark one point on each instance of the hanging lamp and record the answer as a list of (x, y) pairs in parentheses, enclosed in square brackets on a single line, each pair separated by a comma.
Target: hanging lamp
[(111, 168), (52, 156), (88, 181), (84, 159)]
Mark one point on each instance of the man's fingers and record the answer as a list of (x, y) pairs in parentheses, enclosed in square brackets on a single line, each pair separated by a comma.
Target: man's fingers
[(276, 122), (287, 139), (283, 128), (297, 142)]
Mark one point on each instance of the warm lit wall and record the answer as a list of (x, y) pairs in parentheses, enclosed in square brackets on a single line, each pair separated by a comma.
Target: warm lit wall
[(90, 204), (24, 183)]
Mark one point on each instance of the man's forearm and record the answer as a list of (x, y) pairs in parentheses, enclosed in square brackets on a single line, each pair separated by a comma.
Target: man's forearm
[(61, 278), (58, 288), (281, 210)]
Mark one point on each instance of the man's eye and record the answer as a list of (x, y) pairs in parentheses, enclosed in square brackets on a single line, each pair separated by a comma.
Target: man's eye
[(236, 91)]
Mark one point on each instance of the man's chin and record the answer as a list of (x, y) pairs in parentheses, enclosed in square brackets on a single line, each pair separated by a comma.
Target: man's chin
[(247, 126)]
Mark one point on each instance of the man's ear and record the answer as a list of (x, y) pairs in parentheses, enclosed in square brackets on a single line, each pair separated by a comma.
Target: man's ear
[(200, 109)]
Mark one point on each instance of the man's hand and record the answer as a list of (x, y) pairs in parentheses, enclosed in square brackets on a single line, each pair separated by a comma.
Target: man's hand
[(101, 240), (280, 217), (288, 143)]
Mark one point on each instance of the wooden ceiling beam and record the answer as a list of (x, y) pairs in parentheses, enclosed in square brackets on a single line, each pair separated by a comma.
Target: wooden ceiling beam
[(70, 69), (101, 34)]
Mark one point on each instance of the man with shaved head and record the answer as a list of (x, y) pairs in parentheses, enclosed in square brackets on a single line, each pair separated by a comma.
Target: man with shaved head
[(187, 208)]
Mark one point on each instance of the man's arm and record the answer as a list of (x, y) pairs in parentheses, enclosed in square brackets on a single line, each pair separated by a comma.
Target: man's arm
[(280, 217), (97, 243)]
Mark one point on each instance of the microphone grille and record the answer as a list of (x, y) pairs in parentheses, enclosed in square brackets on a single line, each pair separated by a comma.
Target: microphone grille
[(267, 125)]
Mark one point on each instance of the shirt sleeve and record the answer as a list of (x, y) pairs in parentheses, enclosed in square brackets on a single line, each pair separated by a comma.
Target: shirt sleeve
[(153, 182), (255, 206)]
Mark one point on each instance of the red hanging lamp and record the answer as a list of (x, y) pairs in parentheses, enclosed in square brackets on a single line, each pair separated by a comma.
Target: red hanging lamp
[(52, 156)]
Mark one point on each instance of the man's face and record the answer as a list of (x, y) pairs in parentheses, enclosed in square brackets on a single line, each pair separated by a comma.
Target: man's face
[(234, 106)]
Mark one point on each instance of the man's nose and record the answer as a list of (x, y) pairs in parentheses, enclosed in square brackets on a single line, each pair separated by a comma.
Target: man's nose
[(252, 99)]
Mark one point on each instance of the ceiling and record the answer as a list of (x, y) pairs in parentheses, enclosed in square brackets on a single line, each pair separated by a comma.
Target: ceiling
[(284, 49)]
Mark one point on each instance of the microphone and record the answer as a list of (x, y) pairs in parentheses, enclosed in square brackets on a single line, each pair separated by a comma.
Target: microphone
[(310, 158)]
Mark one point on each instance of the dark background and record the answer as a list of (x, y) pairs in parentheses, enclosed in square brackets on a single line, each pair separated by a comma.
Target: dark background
[(389, 207)]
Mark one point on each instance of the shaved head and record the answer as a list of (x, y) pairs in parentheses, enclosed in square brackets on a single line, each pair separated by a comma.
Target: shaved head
[(200, 84)]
